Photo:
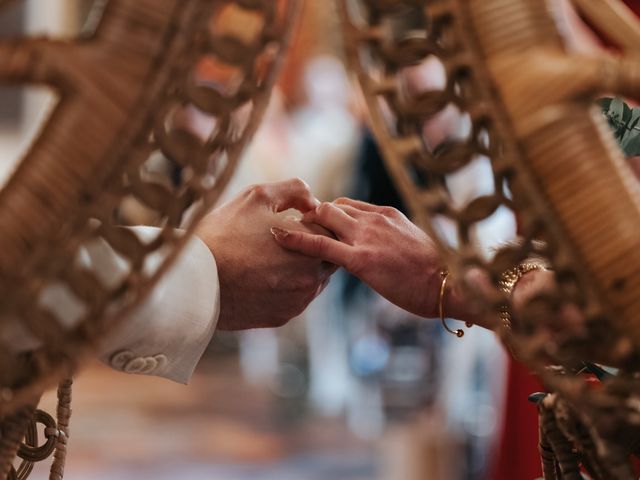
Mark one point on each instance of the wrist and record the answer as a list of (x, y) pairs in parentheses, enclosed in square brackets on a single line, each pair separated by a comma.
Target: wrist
[(226, 301), (458, 304)]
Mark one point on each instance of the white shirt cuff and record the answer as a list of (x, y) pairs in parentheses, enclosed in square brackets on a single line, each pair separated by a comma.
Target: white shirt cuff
[(168, 333)]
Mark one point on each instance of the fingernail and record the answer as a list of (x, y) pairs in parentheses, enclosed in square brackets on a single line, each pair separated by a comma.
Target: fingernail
[(279, 233)]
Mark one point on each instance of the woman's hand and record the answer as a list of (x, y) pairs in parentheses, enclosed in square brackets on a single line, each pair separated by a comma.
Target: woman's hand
[(379, 245)]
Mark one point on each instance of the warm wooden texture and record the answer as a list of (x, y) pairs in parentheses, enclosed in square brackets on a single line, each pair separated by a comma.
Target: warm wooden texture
[(528, 101), (122, 95), (614, 19), (12, 430), (530, 105), (567, 149)]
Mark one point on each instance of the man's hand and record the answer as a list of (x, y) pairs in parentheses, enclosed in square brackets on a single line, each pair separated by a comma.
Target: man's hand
[(262, 285)]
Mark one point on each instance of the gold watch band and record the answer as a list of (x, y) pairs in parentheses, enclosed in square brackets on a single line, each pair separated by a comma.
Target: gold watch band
[(510, 278)]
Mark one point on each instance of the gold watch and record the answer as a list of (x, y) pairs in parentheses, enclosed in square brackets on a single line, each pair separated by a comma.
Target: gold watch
[(510, 278)]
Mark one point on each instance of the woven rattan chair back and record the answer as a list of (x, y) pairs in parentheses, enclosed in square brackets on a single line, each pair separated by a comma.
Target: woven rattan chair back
[(529, 103), (122, 92)]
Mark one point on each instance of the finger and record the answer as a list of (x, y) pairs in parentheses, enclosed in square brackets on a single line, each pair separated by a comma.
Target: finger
[(332, 218), (352, 211), (364, 206), (292, 193), (316, 246)]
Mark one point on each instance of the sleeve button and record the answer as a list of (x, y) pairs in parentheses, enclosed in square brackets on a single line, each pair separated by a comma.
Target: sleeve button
[(119, 360), (150, 364), (162, 361), (135, 365)]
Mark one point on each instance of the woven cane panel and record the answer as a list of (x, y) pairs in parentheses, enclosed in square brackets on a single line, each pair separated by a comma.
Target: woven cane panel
[(526, 105), (534, 122), (123, 95)]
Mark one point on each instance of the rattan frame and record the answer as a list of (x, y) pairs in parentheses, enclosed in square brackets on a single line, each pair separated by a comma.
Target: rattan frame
[(536, 125), (118, 90), (530, 102)]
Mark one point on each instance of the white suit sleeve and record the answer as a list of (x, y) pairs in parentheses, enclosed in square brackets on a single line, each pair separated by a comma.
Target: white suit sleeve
[(168, 333)]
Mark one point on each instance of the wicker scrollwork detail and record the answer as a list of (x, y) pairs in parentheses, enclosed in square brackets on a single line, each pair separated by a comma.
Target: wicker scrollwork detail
[(123, 92), (20, 436), (522, 104)]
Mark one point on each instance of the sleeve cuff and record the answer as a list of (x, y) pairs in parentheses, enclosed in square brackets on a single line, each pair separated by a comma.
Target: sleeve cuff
[(167, 335)]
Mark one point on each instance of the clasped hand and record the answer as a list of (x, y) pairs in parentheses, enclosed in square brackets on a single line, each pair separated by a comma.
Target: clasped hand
[(265, 283), (262, 284), (379, 245)]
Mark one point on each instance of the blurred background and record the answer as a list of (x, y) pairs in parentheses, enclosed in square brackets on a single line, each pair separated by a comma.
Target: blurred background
[(355, 389)]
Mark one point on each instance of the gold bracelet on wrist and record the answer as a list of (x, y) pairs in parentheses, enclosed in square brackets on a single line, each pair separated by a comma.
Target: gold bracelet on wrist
[(444, 274), (508, 281)]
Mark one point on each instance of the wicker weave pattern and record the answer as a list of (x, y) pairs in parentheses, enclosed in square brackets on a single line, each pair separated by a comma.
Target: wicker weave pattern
[(121, 92), (528, 102), (536, 126)]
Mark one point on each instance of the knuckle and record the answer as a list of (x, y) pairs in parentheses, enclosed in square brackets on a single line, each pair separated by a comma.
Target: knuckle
[(388, 211), (379, 219), (299, 183), (319, 244), (324, 208), (273, 281), (302, 242), (257, 191)]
